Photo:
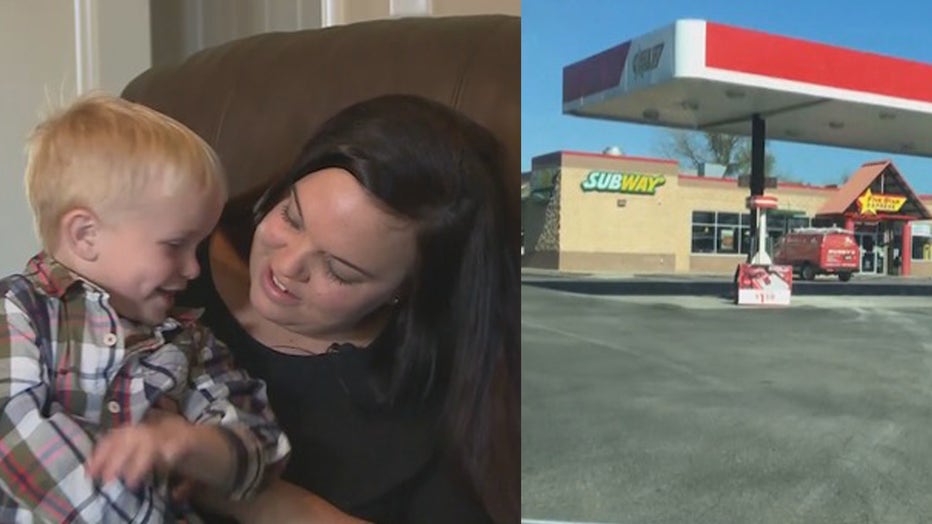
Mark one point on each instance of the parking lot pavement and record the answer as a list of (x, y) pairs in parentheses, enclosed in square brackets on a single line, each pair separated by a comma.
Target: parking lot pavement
[(669, 409)]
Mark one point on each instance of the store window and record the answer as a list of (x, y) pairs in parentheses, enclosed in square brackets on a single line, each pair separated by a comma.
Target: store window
[(922, 241), (776, 227), (703, 232), (794, 223), (826, 222), (720, 232), (728, 237), (922, 248), (730, 233)]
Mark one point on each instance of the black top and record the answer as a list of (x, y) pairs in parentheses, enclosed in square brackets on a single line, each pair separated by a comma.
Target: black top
[(374, 461)]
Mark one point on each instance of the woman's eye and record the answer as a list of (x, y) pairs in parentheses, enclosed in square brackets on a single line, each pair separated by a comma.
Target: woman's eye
[(286, 216), (332, 275)]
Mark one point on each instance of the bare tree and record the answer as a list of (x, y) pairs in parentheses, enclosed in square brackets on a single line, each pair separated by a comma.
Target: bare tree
[(696, 148), (844, 177)]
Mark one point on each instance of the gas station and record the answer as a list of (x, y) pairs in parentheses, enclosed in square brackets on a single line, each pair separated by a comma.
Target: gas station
[(647, 399), (705, 76)]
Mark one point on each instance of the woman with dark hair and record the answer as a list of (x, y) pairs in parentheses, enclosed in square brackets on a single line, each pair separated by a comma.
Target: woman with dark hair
[(381, 308)]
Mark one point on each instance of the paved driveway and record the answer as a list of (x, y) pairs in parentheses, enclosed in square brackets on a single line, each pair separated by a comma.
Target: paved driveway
[(678, 409)]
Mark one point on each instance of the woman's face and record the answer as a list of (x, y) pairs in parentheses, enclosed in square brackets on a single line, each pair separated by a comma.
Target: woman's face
[(327, 256)]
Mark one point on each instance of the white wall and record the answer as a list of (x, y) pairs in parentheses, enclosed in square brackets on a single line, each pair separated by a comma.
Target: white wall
[(182, 27), (475, 7), (50, 50), (37, 57), (123, 42), (349, 11)]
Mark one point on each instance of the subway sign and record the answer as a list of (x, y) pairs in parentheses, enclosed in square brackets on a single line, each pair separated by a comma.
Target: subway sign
[(613, 182)]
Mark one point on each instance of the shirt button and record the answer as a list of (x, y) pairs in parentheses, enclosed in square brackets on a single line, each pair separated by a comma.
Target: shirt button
[(110, 339), (113, 407)]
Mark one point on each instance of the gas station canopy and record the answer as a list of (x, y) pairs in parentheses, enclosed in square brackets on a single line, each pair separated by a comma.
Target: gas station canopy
[(707, 76)]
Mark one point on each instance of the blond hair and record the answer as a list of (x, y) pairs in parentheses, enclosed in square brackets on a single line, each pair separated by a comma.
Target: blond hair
[(102, 151)]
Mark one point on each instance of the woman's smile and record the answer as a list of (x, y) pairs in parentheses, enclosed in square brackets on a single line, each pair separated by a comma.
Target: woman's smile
[(276, 291)]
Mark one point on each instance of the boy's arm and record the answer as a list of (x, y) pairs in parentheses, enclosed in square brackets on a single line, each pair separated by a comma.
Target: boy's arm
[(43, 454), (168, 443), (233, 406), (280, 503)]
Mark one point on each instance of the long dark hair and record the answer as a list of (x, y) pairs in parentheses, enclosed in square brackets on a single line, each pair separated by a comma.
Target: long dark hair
[(456, 332)]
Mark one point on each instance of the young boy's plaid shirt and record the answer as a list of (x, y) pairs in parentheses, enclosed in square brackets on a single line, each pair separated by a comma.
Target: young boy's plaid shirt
[(103, 372)]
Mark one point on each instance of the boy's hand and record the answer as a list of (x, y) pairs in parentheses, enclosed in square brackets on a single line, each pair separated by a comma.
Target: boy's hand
[(182, 487), (168, 443), (134, 451)]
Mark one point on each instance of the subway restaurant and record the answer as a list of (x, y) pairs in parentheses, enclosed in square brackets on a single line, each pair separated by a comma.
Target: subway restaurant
[(585, 212)]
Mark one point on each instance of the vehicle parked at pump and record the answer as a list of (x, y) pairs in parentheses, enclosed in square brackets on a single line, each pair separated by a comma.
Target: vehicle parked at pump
[(819, 251)]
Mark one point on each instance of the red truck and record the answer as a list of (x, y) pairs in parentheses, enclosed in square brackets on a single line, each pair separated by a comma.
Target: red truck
[(819, 251)]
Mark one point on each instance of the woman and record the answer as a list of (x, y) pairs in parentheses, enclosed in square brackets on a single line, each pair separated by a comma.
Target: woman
[(380, 305)]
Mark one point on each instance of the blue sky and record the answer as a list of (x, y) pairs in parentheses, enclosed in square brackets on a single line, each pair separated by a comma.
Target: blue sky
[(555, 33)]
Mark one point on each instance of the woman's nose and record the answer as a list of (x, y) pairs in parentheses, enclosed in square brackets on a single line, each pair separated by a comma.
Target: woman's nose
[(292, 261)]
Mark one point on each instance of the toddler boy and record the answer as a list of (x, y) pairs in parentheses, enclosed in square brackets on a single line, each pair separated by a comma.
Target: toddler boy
[(90, 341)]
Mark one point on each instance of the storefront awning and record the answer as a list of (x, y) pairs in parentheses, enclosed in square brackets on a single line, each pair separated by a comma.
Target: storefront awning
[(702, 75)]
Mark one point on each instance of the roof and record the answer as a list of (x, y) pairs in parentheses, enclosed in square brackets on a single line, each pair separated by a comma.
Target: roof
[(555, 157), (856, 184), (695, 74), (865, 178)]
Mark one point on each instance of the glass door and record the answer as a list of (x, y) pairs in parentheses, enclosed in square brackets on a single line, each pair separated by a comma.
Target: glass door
[(872, 259)]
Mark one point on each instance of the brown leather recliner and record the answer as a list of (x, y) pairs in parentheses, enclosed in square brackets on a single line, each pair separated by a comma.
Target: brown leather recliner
[(256, 100)]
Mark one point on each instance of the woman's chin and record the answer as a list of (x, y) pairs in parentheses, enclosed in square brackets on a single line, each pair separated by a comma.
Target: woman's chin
[(261, 302)]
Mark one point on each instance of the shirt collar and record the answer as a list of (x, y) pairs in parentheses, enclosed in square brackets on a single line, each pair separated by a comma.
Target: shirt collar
[(56, 280), (53, 277)]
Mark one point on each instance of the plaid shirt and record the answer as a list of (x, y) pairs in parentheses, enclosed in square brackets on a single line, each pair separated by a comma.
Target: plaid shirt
[(97, 372)]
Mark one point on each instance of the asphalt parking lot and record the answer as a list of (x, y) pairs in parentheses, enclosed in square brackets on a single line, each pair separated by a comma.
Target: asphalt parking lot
[(688, 409)]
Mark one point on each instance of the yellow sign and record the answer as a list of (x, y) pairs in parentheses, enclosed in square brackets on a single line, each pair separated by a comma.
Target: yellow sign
[(609, 182), (870, 204)]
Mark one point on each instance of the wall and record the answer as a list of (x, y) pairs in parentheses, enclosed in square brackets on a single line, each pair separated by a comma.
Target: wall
[(50, 50), (348, 11), (597, 233), (921, 269), (118, 47), (534, 220), (182, 27), (618, 232), (49, 72), (473, 7)]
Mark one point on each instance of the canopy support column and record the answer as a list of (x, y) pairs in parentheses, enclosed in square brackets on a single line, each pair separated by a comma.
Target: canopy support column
[(758, 133)]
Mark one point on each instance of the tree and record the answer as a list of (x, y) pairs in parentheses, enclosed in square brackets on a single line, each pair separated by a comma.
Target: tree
[(696, 148), (844, 177)]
